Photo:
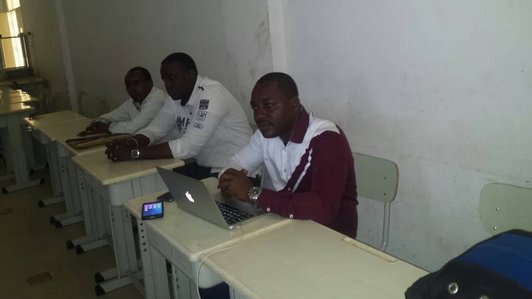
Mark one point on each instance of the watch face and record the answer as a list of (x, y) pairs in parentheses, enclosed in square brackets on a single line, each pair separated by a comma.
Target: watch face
[(135, 154), (254, 192)]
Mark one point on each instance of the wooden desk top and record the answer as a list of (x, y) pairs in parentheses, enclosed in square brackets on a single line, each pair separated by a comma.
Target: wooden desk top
[(53, 119), (5, 89), (108, 172), (307, 260), (7, 108), (65, 130), (192, 236), (17, 97)]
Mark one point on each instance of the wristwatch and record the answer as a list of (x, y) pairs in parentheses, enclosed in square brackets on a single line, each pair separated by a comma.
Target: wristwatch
[(253, 194), (135, 153)]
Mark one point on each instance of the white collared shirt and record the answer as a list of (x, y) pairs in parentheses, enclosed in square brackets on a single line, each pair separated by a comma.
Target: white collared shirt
[(280, 160), (211, 127), (129, 118)]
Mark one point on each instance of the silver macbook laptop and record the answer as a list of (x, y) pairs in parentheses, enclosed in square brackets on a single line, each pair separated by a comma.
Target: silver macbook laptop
[(193, 196)]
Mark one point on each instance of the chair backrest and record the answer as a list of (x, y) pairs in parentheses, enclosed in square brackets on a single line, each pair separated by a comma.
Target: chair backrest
[(377, 179), (504, 207)]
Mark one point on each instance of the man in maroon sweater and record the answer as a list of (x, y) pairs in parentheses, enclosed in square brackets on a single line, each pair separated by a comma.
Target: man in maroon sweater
[(309, 166)]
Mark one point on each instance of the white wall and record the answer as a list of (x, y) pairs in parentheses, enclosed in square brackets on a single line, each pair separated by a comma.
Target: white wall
[(228, 40), (440, 87)]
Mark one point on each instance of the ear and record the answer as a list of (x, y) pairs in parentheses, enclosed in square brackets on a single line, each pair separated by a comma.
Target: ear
[(294, 102)]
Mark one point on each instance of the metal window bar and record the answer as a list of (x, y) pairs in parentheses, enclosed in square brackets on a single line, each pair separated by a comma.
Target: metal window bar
[(23, 37), (24, 41)]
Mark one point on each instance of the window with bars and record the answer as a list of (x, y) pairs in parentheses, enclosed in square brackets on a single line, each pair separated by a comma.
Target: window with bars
[(13, 39)]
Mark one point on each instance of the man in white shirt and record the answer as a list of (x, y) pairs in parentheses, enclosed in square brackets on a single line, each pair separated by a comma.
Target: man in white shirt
[(201, 120), (135, 113), (308, 161)]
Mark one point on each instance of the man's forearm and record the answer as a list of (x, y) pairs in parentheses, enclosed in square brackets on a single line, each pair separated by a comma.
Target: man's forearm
[(142, 140), (158, 151)]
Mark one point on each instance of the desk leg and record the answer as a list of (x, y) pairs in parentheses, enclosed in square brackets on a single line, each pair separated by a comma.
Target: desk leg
[(73, 181), (72, 214), (153, 267), (111, 285), (28, 147), (53, 165), (124, 250), (123, 241), (94, 219), (16, 148), (50, 201), (182, 285)]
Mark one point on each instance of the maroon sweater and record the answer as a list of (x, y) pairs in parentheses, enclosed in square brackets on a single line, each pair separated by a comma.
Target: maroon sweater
[(327, 191)]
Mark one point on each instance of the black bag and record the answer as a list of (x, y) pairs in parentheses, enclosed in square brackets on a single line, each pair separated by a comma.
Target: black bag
[(497, 268)]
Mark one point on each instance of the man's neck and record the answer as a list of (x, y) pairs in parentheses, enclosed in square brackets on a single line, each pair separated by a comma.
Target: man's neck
[(287, 137), (185, 100)]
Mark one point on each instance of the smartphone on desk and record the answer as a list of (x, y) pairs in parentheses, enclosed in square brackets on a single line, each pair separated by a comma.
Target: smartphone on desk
[(152, 210)]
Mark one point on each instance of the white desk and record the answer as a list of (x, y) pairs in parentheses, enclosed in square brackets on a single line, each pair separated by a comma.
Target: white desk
[(8, 95), (6, 89), (11, 117), (68, 173), (40, 124), (16, 96), (116, 183), (52, 119), (29, 84), (52, 131), (183, 240), (307, 260)]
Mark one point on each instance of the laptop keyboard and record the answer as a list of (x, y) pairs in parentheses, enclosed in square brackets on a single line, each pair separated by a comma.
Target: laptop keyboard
[(231, 214)]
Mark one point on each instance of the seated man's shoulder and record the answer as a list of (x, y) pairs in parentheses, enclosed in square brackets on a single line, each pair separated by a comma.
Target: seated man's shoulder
[(214, 89), (158, 91), (206, 82), (319, 126), (158, 94), (327, 132)]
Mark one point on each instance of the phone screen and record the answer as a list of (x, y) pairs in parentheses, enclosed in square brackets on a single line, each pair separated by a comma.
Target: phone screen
[(152, 210)]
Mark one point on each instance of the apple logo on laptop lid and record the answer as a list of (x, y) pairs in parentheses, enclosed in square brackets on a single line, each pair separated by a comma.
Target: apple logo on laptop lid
[(189, 196)]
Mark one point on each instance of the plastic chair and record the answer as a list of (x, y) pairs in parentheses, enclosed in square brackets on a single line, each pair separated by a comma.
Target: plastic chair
[(504, 207), (377, 179)]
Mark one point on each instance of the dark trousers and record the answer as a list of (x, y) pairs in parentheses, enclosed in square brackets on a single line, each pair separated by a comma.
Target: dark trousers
[(219, 291)]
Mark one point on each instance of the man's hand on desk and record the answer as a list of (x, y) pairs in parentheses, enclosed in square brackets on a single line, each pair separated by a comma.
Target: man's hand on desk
[(96, 127), (119, 150), (235, 184)]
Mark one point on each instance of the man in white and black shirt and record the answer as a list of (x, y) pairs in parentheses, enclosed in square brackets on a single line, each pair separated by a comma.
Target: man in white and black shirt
[(137, 112), (201, 119)]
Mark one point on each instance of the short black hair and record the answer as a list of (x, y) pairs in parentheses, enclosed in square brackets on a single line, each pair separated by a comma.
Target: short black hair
[(183, 59), (286, 84), (143, 71)]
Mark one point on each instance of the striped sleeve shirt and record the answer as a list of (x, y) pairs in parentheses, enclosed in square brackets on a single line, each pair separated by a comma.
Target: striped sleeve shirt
[(311, 177)]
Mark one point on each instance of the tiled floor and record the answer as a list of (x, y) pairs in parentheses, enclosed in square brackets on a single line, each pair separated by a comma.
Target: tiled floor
[(31, 246)]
